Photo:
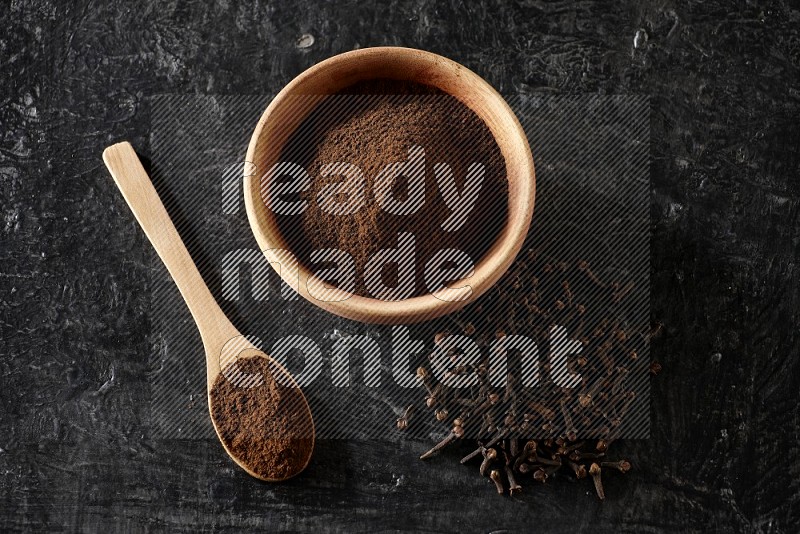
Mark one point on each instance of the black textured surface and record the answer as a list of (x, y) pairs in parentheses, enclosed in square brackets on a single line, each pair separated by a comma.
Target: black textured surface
[(74, 298)]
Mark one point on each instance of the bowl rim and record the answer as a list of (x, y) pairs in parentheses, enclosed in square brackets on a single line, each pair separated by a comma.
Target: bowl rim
[(519, 165)]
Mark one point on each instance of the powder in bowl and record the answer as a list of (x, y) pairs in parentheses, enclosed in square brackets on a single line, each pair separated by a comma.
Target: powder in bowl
[(375, 124)]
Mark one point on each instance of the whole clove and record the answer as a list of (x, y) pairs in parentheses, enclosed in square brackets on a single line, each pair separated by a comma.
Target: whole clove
[(594, 472), (489, 456), (540, 475), (578, 469), (513, 486), (403, 420), (623, 466), (439, 446), (498, 483)]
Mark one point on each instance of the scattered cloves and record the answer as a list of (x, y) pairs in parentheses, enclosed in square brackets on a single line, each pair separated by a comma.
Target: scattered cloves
[(539, 293)]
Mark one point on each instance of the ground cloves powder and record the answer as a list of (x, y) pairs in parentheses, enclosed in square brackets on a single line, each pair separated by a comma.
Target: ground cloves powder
[(374, 124), (266, 427)]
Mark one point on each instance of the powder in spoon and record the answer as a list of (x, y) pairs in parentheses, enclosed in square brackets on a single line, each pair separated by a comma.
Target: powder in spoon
[(267, 427), (374, 124)]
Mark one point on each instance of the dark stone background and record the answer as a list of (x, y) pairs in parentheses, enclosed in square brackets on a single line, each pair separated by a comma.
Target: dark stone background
[(74, 297)]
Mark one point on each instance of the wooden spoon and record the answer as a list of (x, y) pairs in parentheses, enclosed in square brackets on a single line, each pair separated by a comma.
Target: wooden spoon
[(222, 341)]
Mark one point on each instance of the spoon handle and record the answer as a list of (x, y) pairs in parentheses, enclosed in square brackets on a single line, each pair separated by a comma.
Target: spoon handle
[(138, 190)]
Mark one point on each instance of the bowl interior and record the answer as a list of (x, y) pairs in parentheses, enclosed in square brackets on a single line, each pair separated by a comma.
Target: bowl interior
[(293, 104)]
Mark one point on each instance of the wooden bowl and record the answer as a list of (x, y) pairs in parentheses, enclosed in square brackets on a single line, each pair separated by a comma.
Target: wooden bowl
[(281, 118)]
